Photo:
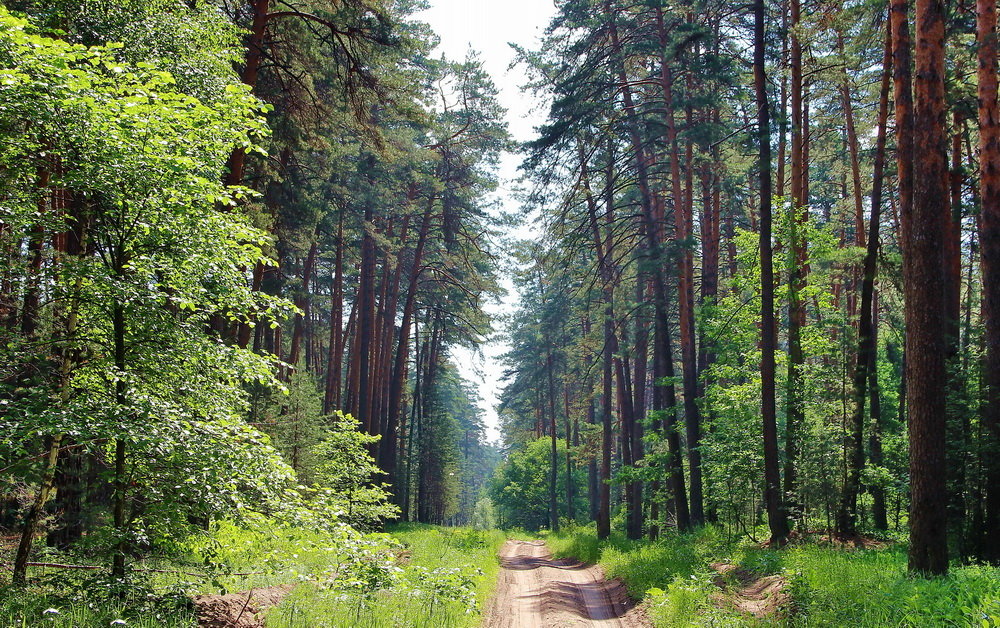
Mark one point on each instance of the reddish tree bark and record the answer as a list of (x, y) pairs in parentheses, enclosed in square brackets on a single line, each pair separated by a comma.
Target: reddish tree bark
[(397, 382), (251, 68), (301, 301), (989, 159), (798, 267), (925, 228), (335, 357)]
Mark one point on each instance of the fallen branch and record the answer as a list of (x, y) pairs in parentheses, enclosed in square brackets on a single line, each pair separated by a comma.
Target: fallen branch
[(145, 570), (242, 610)]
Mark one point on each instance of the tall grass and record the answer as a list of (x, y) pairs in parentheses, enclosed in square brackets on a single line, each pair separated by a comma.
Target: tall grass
[(414, 576), (84, 599), (829, 586), (641, 564), (872, 588), (445, 580)]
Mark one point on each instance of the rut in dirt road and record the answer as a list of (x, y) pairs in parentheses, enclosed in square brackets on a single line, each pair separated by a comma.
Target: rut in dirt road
[(535, 591)]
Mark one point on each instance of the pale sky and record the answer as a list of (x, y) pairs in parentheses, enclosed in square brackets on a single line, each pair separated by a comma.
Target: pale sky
[(487, 26)]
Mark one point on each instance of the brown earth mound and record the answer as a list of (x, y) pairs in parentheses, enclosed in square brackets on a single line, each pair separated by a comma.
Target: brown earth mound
[(238, 610), (750, 593)]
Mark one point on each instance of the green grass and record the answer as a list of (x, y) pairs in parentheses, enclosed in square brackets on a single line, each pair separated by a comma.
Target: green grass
[(641, 564), (441, 577), (444, 580), (84, 599), (872, 588), (413, 576), (829, 587)]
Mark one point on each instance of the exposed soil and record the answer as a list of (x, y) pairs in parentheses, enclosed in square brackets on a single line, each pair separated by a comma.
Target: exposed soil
[(535, 591), (238, 610), (825, 537), (856, 542), (750, 593)]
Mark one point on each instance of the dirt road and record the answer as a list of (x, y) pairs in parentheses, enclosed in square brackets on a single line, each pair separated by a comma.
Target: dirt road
[(535, 591)]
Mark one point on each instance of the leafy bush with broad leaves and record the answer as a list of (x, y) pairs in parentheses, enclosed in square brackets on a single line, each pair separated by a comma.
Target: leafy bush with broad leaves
[(120, 363)]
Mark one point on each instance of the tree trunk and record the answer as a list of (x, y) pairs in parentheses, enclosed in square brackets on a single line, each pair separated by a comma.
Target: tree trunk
[(643, 293), (120, 481), (864, 368), (554, 439), (302, 302), (570, 443), (397, 382), (989, 159), (366, 323), (335, 356), (879, 515), (797, 270), (651, 220), (776, 516), (604, 509), (251, 67), (925, 228), (685, 281)]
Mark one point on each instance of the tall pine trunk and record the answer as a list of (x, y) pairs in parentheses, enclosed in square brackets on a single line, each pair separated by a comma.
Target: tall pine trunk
[(989, 159), (925, 229), (798, 268), (864, 368), (776, 516)]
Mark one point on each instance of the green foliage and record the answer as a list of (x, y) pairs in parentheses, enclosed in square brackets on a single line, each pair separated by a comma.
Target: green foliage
[(293, 418), (484, 515), (829, 586), (442, 579), (339, 481), (68, 599), (682, 604), (520, 488), (873, 588), (415, 576), (346, 476), (143, 164), (452, 458)]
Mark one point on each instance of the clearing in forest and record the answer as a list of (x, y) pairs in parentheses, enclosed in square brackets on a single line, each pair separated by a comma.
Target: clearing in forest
[(535, 591)]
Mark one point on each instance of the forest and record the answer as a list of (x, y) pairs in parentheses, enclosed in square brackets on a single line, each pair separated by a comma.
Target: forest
[(755, 250)]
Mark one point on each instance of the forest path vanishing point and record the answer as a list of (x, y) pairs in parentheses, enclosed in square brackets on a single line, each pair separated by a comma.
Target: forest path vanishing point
[(535, 591)]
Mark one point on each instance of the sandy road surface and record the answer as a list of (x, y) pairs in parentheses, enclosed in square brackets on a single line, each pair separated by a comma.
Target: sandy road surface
[(535, 591)]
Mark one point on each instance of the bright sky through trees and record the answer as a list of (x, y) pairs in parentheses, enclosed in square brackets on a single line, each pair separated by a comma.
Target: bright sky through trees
[(488, 27)]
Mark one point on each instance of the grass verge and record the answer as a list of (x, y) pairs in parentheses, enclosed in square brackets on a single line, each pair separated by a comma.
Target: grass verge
[(414, 575), (865, 588), (444, 577)]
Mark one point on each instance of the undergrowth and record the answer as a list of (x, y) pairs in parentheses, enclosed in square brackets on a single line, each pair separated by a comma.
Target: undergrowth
[(77, 599), (829, 586), (415, 575), (442, 578)]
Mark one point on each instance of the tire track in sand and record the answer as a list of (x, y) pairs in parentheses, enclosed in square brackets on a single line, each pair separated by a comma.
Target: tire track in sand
[(535, 591)]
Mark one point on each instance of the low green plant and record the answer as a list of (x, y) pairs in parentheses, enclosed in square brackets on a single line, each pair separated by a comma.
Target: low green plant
[(873, 588), (441, 578), (864, 588), (74, 599)]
